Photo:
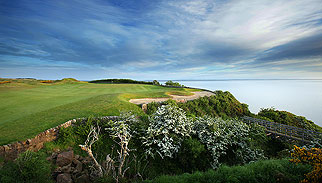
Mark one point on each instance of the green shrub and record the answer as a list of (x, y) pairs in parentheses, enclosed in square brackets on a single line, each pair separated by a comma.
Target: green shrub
[(193, 156), (76, 134), (288, 118), (222, 104), (120, 81), (228, 141), (225, 141), (168, 127), (171, 83), (155, 82), (29, 167), (266, 171)]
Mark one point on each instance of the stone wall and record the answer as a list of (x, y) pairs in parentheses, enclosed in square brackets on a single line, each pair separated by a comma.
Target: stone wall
[(11, 151)]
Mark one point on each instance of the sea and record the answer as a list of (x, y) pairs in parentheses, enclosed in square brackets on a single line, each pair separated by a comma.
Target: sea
[(302, 97)]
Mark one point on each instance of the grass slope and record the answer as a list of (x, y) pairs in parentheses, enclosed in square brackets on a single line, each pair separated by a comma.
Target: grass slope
[(28, 108)]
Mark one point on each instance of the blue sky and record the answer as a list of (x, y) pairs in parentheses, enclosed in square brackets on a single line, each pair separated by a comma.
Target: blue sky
[(144, 39)]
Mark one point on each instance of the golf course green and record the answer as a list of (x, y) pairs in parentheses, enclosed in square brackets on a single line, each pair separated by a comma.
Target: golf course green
[(28, 107)]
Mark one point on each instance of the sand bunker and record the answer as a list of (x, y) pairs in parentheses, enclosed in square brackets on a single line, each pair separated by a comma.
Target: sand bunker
[(178, 98)]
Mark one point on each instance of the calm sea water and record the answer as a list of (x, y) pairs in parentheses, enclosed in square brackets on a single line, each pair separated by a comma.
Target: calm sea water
[(301, 97)]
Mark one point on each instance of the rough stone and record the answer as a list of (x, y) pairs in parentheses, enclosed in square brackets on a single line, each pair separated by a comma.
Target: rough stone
[(86, 160), (1, 149), (78, 167), (64, 158), (6, 148), (19, 146), (58, 170), (144, 107), (83, 179), (28, 141), (49, 158), (54, 155), (39, 145), (66, 169), (77, 156), (64, 178), (80, 158)]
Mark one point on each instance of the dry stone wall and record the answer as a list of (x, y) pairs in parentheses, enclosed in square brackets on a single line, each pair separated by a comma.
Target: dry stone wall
[(11, 151)]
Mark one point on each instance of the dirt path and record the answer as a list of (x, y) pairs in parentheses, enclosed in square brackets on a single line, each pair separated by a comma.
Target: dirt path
[(178, 98)]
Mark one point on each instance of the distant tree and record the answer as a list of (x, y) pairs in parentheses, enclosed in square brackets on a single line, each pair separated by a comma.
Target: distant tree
[(155, 82), (171, 83), (121, 81)]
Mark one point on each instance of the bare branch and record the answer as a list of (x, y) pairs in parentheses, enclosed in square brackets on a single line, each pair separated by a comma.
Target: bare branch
[(92, 137)]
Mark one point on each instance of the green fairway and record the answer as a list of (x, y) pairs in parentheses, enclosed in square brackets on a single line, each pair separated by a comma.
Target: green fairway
[(26, 110)]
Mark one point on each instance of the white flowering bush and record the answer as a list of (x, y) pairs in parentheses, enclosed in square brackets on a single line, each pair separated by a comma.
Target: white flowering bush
[(230, 139), (168, 127), (315, 142), (222, 135), (122, 125)]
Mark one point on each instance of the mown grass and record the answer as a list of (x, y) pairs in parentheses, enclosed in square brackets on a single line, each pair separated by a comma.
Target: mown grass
[(180, 93), (185, 92), (28, 108)]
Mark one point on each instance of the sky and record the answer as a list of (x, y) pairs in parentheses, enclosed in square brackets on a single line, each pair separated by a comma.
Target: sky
[(170, 39)]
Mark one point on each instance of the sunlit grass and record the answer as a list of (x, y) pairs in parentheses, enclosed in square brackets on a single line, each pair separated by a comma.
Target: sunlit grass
[(180, 93), (28, 109)]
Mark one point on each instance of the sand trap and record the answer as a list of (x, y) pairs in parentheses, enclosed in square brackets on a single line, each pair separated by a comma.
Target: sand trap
[(173, 97)]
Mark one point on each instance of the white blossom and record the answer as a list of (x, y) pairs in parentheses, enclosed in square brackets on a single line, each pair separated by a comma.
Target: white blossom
[(167, 129)]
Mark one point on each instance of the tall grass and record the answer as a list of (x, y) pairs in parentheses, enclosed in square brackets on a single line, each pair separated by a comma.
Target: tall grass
[(266, 171)]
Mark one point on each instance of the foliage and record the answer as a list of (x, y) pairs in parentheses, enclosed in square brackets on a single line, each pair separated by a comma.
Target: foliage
[(155, 82), (316, 142), (29, 167), (78, 133), (288, 118), (120, 81), (230, 141), (193, 156), (68, 80), (312, 157), (171, 83), (266, 171), (222, 104), (167, 129), (47, 81), (29, 81), (226, 138), (257, 134), (121, 133), (4, 82), (174, 142)]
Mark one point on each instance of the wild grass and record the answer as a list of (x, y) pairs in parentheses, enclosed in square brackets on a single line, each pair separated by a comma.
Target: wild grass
[(266, 171), (28, 107)]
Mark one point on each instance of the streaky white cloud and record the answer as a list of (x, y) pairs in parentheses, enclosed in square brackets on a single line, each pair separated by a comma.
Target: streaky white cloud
[(179, 38)]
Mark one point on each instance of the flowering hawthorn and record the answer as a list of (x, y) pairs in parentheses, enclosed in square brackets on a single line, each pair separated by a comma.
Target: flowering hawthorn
[(168, 127)]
